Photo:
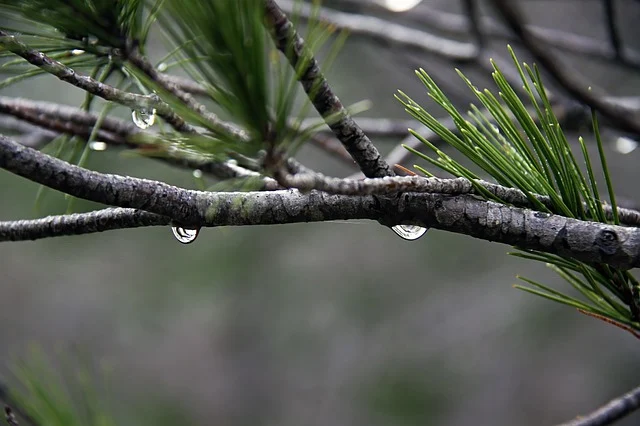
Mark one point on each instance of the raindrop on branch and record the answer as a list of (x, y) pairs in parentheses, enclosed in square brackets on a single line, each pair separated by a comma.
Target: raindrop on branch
[(142, 118), (185, 235), (409, 232)]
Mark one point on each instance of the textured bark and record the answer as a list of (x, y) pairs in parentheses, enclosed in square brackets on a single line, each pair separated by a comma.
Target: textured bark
[(80, 223), (587, 241), (324, 100)]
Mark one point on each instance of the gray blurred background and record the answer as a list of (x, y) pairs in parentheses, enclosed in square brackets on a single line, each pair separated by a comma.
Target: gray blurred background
[(321, 324)]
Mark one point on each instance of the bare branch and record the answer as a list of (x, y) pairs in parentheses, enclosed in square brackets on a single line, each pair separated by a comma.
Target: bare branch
[(388, 31), (618, 114), (575, 43), (611, 412), (324, 100), (612, 28), (79, 223)]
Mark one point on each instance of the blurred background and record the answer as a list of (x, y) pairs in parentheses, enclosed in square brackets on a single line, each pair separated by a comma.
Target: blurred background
[(330, 323)]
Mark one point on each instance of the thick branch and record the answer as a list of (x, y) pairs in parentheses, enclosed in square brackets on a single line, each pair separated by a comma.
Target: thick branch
[(586, 241), (324, 100), (394, 185), (610, 413)]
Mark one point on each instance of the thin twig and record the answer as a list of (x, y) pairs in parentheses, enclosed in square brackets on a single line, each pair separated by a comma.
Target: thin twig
[(612, 28), (76, 122), (559, 39), (613, 411), (88, 84), (214, 123), (387, 31), (324, 100), (79, 223)]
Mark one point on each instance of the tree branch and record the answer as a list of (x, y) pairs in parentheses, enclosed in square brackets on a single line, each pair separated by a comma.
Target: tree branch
[(214, 123), (388, 31), (611, 412), (586, 241), (575, 43), (88, 84), (79, 223), (621, 116), (324, 100), (74, 121)]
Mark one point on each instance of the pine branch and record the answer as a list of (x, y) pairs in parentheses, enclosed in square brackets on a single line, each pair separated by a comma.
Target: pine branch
[(589, 242), (394, 185), (214, 123), (88, 84), (76, 122), (324, 100), (611, 412)]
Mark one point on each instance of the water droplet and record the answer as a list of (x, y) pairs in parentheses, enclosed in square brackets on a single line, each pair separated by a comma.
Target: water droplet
[(162, 67), (625, 145), (409, 232), (185, 235), (77, 52), (142, 118), (197, 173), (98, 146)]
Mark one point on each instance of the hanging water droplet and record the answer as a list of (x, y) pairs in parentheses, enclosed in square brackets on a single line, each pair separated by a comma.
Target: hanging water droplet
[(97, 146), (197, 173), (142, 118), (162, 67), (185, 235), (77, 52), (409, 232), (625, 145)]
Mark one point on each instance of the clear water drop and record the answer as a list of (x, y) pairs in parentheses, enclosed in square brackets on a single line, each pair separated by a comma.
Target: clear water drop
[(162, 67), (77, 52), (97, 146), (185, 235), (197, 173), (143, 118), (409, 232), (625, 145)]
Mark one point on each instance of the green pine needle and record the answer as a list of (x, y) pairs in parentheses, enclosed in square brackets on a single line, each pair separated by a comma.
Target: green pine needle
[(523, 146)]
